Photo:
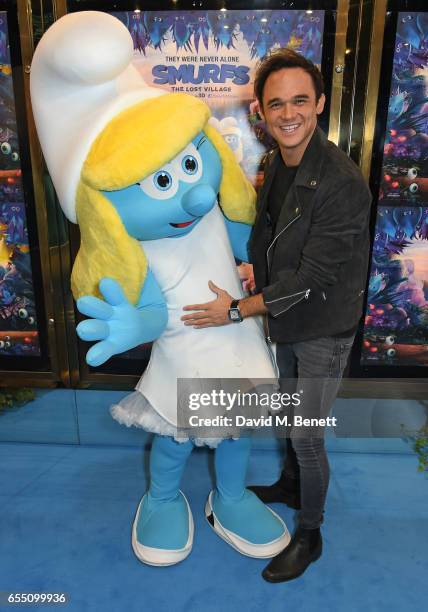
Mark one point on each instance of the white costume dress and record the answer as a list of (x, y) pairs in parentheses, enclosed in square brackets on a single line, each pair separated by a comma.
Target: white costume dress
[(182, 267)]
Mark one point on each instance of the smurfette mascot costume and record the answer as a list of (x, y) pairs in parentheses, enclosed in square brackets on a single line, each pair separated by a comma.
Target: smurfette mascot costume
[(162, 207)]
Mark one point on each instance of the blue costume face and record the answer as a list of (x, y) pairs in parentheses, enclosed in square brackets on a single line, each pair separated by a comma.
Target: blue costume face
[(172, 200)]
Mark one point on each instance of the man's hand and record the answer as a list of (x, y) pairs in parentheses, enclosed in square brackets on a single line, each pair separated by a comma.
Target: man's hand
[(246, 274), (210, 314)]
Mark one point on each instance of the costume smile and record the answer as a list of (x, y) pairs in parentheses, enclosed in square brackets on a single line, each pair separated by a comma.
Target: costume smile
[(185, 224)]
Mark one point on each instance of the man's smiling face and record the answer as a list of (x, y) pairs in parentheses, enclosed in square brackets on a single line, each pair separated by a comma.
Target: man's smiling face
[(290, 109)]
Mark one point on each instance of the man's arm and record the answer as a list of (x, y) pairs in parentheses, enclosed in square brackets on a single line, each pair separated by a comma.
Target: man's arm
[(216, 313), (252, 306)]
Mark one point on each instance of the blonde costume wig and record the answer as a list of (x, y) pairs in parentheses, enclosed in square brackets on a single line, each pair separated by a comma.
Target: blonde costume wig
[(133, 145)]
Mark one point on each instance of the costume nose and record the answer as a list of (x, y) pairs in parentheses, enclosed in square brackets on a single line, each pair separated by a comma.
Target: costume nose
[(199, 200)]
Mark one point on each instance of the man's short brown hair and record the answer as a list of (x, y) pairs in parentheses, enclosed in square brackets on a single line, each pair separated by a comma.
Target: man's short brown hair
[(286, 58)]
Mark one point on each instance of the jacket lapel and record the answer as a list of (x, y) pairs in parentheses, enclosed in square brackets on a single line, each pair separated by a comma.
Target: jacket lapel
[(305, 183), (267, 183), (304, 187)]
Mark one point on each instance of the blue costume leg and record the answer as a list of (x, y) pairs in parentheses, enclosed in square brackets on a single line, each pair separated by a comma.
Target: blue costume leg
[(162, 533), (235, 513)]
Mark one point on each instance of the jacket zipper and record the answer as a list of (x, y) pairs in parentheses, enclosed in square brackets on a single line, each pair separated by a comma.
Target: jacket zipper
[(305, 291), (304, 297), (268, 266), (276, 238)]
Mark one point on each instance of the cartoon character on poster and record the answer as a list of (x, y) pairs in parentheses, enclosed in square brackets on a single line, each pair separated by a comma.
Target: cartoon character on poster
[(140, 171), (405, 163), (229, 128), (18, 324), (395, 330)]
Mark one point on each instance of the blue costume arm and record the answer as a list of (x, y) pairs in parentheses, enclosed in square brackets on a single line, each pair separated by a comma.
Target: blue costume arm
[(239, 235), (117, 324)]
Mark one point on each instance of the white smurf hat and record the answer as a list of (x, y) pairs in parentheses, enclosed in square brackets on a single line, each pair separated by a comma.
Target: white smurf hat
[(81, 77)]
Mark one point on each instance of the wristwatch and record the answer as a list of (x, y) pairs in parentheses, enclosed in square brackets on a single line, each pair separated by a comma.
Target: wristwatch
[(234, 312)]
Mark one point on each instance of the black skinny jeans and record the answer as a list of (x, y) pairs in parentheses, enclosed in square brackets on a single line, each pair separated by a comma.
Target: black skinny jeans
[(318, 366)]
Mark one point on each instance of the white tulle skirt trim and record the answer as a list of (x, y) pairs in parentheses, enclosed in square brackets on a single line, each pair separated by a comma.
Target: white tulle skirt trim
[(135, 410)]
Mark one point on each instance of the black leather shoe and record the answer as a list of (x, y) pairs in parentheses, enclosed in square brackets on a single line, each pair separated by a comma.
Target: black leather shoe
[(285, 490), (305, 547)]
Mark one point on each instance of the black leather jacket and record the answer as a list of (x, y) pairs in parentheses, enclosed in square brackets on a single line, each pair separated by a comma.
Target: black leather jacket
[(312, 267)]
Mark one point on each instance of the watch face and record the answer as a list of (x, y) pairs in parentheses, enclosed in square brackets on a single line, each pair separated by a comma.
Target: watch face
[(235, 315)]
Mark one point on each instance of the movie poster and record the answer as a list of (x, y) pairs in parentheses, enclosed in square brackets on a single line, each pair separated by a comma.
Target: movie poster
[(396, 324), (213, 55), (18, 324)]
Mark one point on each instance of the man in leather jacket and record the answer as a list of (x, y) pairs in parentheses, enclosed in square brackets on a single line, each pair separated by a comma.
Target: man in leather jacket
[(309, 248)]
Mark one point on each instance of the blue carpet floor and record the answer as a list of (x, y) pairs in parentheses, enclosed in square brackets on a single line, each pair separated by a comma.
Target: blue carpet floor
[(66, 511)]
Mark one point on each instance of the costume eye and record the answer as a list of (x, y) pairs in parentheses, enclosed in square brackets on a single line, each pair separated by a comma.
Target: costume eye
[(162, 180), (189, 164), (160, 185), (6, 148), (15, 156), (22, 313), (413, 188)]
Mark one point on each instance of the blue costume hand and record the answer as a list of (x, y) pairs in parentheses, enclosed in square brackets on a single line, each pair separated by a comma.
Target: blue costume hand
[(239, 235), (116, 323)]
